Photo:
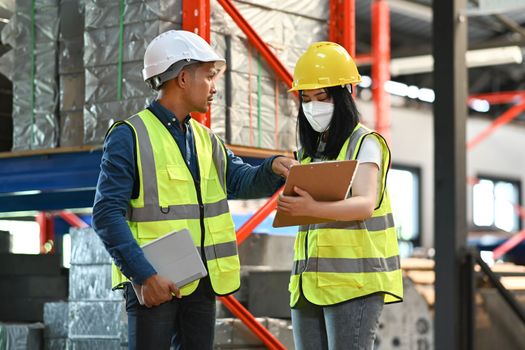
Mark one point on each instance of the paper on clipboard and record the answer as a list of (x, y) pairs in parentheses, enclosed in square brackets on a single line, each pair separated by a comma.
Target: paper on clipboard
[(324, 181)]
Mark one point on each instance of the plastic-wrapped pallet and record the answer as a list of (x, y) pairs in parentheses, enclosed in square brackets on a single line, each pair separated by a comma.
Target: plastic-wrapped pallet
[(32, 33), (55, 321), (19, 336), (96, 314), (259, 111), (71, 72), (116, 35)]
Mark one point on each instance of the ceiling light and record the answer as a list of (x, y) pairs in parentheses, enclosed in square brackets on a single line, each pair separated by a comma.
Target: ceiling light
[(474, 58)]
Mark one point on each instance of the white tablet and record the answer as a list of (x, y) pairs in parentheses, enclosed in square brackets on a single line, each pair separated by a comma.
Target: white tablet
[(175, 257)]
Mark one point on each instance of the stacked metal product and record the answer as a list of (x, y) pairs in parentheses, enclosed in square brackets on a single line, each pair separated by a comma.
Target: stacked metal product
[(95, 316), (116, 35), (32, 33), (252, 107), (71, 72)]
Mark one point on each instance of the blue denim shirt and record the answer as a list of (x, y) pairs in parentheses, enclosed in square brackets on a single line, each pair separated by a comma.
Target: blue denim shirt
[(118, 183)]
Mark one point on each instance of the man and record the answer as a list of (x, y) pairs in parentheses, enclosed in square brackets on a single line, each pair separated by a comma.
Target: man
[(162, 171)]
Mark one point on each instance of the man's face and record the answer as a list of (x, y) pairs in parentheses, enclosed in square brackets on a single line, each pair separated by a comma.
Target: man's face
[(201, 86)]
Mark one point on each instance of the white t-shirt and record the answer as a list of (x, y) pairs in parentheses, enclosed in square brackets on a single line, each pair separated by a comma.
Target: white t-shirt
[(370, 152)]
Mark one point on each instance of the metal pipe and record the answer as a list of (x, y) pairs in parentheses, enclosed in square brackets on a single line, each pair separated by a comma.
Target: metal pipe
[(257, 218), (380, 66), (47, 232), (509, 298), (503, 119), (449, 45)]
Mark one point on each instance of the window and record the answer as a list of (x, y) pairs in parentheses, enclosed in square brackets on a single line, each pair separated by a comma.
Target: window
[(405, 196), (494, 204)]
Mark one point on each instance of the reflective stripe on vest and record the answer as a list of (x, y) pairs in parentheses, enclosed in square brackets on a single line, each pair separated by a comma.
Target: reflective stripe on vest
[(379, 223), (151, 210), (342, 260), (347, 265), (195, 206)]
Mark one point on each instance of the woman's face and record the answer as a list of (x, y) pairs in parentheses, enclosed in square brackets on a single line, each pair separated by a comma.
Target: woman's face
[(315, 95)]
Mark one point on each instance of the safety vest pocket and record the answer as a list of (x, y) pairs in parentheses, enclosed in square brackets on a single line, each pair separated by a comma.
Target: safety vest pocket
[(352, 280), (338, 238), (223, 251), (339, 266), (179, 185), (212, 189)]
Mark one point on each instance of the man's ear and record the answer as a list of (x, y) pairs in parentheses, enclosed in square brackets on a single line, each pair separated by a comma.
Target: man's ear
[(182, 78)]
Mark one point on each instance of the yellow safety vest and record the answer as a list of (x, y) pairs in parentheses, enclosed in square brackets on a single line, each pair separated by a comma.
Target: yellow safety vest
[(339, 261), (169, 199)]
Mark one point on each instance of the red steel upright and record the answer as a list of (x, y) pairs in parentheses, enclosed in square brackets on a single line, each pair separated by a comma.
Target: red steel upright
[(341, 24), (196, 18), (381, 66), (47, 232)]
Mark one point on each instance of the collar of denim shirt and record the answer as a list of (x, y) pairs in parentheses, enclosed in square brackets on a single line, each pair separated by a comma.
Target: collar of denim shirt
[(166, 116)]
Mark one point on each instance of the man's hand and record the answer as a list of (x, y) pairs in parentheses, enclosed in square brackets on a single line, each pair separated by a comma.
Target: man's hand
[(281, 165), (301, 205), (157, 290)]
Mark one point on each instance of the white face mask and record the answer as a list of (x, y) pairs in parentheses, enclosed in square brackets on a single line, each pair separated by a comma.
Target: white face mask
[(319, 114)]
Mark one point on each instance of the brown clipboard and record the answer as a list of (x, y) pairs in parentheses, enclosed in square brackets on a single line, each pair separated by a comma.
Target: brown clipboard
[(324, 181)]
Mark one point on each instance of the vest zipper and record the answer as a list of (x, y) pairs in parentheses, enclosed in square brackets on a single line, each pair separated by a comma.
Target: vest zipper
[(306, 248), (201, 213), (305, 261)]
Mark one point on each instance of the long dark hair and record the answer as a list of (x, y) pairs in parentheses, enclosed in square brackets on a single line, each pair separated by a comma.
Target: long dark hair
[(344, 120)]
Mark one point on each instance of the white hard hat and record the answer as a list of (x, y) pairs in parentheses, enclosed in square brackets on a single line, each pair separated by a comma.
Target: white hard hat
[(175, 46)]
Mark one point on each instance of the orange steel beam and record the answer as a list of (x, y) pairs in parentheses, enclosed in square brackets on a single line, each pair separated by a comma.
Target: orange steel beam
[(503, 119), (363, 59), (72, 219), (278, 67), (258, 329), (196, 19), (503, 97), (513, 241), (380, 66), (506, 246), (257, 218)]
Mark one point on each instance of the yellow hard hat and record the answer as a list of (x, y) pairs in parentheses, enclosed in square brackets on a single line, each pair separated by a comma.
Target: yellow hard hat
[(324, 64)]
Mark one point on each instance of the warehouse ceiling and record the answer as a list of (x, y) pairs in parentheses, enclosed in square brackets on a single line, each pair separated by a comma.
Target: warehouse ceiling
[(411, 35)]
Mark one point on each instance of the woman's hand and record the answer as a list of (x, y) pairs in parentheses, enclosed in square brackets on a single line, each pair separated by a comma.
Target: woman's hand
[(302, 205)]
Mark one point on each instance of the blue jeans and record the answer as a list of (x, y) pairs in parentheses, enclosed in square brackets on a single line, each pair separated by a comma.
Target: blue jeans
[(185, 324), (349, 325)]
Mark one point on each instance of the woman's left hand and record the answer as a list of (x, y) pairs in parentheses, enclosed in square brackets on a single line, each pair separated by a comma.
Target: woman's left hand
[(302, 205)]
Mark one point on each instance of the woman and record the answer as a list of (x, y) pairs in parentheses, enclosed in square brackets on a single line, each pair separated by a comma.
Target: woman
[(345, 270)]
